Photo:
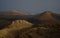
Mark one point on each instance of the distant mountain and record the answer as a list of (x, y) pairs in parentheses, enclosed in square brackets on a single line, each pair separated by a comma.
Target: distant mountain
[(47, 17), (13, 12)]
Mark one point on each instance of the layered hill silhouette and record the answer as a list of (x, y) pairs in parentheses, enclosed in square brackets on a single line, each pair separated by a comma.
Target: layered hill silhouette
[(46, 17), (18, 24)]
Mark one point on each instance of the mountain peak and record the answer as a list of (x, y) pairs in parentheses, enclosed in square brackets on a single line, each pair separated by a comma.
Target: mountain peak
[(47, 12), (47, 15)]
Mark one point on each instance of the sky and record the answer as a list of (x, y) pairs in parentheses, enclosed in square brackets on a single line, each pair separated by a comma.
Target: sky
[(30, 6)]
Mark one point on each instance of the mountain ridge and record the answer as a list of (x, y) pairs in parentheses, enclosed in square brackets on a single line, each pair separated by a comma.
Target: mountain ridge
[(13, 12)]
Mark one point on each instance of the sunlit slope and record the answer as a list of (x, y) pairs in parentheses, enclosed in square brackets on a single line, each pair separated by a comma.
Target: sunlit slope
[(20, 24)]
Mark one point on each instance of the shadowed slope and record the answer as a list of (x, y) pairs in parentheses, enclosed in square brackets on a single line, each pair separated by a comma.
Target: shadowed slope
[(4, 23), (56, 16)]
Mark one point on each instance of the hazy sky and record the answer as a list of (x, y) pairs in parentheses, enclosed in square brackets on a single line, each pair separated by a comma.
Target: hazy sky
[(31, 6)]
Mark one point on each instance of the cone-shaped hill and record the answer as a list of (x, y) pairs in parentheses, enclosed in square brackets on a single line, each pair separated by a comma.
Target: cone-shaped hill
[(47, 15), (44, 16)]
